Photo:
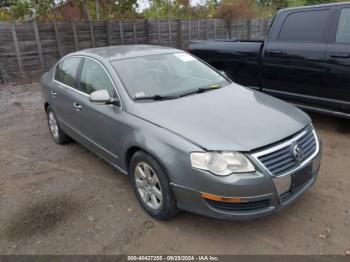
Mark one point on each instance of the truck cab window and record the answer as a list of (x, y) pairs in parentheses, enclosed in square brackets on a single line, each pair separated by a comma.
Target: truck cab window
[(343, 31), (306, 26)]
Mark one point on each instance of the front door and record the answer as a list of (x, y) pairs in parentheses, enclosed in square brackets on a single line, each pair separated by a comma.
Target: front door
[(99, 123)]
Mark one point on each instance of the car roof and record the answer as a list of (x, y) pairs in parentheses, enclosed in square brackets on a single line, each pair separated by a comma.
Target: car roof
[(313, 6), (126, 51)]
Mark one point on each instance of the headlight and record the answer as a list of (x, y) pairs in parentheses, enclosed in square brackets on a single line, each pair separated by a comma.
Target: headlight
[(221, 164)]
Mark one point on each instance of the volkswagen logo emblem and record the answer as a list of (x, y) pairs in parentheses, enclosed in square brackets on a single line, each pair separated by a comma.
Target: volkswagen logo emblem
[(298, 153)]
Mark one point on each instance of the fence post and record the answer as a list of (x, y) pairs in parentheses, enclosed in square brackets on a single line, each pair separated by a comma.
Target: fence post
[(108, 32), (134, 32), (229, 29), (198, 37), (92, 34), (222, 30), (189, 30), (169, 32), (121, 32), (38, 44), (266, 27), (18, 52), (215, 35), (206, 29), (146, 31), (179, 34), (158, 31), (74, 28), (58, 40), (2, 78), (249, 29)]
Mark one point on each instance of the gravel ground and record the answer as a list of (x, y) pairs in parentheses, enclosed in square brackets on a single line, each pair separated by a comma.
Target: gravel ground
[(65, 200)]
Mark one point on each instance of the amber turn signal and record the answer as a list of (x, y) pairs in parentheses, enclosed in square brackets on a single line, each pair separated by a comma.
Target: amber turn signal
[(222, 199)]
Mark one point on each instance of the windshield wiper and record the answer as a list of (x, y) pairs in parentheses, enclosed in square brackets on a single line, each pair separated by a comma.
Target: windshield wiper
[(201, 90), (155, 97), (169, 97)]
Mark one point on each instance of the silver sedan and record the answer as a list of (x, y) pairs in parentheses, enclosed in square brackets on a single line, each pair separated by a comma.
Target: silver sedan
[(187, 136)]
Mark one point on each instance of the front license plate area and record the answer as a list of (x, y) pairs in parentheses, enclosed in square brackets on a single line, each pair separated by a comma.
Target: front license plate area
[(301, 177)]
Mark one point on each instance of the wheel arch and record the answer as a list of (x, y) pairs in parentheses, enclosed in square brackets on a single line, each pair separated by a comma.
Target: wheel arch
[(46, 105), (133, 149)]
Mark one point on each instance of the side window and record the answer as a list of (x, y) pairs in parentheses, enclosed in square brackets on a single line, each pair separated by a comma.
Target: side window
[(66, 71), (343, 31), (304, 26), (94, 77)]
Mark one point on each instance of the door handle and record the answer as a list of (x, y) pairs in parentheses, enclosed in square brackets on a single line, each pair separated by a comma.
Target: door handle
[(53, 93), (77, 106), (275, 52), (339, 55)]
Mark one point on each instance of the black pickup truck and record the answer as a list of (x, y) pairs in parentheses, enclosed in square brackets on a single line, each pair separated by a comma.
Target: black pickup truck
[(304, 59)]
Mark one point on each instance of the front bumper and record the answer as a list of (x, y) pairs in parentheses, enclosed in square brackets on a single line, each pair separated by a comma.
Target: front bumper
[(260, 200)]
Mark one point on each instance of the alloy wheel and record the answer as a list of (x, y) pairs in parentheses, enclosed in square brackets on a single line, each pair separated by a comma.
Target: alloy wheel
[(53, 125), (148, 185)]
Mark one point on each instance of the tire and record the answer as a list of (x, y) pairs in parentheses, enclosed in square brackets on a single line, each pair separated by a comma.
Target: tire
[(57, 133), (156, 183)]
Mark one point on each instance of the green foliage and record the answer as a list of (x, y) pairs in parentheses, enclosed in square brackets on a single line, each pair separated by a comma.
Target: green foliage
[(236, 9), (159, 9), (21, 9), (126, 5), (4, 3), (180, 9), (110, 9)]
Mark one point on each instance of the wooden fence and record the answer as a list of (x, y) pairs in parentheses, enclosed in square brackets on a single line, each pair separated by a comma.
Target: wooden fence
[(29, 49)]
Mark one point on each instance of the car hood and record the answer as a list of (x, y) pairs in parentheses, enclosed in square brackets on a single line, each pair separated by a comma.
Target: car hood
[(230, 118)]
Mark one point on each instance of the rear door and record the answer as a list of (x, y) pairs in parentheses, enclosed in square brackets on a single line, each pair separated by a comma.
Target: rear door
[(338, 62), (63, 91), (294, 55)]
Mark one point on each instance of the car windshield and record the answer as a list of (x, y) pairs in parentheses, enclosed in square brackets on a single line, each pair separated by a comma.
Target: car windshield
[(166, 76)]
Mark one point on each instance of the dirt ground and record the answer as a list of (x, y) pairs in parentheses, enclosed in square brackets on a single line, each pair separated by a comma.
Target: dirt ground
[(65, 200)]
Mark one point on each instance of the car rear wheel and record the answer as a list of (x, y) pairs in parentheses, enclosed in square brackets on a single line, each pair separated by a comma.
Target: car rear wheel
[(152, 186), (57, 133)]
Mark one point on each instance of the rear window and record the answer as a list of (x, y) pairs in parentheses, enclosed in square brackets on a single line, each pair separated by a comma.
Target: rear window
[(343, 31), (304, 26), (66, 71)]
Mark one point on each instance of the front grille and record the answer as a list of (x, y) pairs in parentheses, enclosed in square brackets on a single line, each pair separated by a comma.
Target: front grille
[(243, 206), (282, 160)]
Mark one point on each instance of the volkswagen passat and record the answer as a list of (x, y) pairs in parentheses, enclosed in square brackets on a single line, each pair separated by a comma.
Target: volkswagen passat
[(188, 137)]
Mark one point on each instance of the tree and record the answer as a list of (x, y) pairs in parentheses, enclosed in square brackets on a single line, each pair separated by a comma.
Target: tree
[(4, 10), (278, 4), (236, 9), (167, 9), (4, 3), (21, 9), (126, 5)]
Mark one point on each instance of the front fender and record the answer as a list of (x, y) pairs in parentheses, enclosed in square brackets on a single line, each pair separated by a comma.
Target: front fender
[(171, 150)]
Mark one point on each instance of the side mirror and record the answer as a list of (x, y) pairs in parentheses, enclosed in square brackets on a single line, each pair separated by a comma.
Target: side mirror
[(102, 97), (222, 72)]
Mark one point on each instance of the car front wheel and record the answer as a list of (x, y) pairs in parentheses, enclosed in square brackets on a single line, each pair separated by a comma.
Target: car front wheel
[(152, 186)]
